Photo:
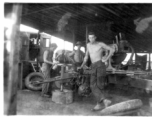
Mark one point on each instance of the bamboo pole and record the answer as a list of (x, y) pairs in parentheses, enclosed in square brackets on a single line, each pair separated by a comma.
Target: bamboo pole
[(11, 100)]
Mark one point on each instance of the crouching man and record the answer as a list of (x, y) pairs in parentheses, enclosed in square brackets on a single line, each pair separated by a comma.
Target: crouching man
[(95, 50)]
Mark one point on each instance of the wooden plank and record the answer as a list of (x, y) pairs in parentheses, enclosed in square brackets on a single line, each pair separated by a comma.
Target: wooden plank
[(141, 83), (11, 100), (130, 82)]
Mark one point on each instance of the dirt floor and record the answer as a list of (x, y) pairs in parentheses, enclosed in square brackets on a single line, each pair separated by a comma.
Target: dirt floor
[(31, 103)]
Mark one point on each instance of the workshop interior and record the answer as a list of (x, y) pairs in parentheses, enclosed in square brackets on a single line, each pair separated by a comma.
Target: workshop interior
[(30, 29)]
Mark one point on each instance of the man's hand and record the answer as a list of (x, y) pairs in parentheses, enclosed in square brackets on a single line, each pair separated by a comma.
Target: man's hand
[(55, 62), (103, 60), (55, 65), (86, 67), (79, 68)]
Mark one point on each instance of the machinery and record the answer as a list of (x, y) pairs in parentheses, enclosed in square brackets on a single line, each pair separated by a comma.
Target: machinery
[(69, 79), (124, 75)]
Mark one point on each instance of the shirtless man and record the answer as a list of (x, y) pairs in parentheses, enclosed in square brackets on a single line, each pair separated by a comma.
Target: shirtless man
[(95, 50), (46, 69)]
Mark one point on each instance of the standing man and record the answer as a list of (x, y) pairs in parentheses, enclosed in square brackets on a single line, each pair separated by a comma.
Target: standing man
[(46, 69), (74, 57), (95, 51), (77, 56)]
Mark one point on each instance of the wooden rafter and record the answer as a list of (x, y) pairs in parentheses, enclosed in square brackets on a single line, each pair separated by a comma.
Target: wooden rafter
[(54, 7)]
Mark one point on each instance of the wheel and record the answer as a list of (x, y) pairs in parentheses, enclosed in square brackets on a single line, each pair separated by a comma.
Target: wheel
[(32, 77)]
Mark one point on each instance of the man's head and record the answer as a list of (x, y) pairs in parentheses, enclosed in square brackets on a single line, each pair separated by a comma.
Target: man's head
[(53, 46), (63, 51), (92, 37), (79, 44)]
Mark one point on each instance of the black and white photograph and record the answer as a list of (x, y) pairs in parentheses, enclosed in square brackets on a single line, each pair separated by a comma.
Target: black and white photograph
[(77, 59)]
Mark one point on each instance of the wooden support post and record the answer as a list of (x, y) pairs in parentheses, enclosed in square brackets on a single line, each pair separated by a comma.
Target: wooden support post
[(86, 37), (11, 93), (62, 75), (63, 36), (73, 39), (37, 43), (149, 67)]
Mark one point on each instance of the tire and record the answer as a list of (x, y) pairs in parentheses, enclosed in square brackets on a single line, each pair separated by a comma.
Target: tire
[(35, 76)]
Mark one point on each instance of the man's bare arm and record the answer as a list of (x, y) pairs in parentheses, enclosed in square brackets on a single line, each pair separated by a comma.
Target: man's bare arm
[(71, 54), (45, 56), (106, 47), (83, 54), (85, 58)]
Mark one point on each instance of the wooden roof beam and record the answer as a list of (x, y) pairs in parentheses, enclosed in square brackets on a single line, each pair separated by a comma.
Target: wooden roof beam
[(109, 10), (41, 10)]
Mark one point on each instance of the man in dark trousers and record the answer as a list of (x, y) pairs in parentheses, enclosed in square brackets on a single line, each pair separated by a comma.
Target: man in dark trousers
[(46, 69), (95, 51)]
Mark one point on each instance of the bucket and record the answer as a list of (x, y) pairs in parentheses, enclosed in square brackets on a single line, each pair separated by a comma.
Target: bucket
[(62, 97)]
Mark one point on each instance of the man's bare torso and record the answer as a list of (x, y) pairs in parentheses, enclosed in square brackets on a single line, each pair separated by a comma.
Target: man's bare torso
[(95, 51)]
